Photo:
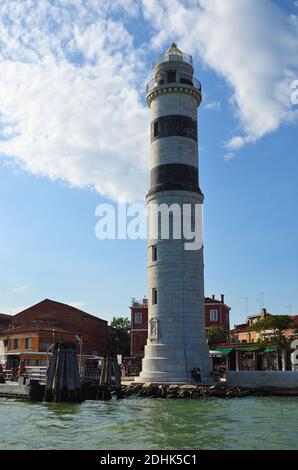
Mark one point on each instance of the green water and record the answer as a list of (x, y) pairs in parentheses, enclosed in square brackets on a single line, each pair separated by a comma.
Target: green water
[(247, 423)]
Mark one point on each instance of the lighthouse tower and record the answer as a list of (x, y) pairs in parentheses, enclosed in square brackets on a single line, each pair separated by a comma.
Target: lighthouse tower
[(176, 344)]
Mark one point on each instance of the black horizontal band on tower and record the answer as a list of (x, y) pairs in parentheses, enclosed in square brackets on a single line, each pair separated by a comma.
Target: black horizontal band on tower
[(174, 125), (174, 176)]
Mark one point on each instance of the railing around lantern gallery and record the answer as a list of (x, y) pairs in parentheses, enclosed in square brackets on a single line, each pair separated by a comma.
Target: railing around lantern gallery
[(154, 83), (167, 57)]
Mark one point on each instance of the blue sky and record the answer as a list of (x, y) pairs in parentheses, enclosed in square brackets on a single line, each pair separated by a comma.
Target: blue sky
[(74, 133)]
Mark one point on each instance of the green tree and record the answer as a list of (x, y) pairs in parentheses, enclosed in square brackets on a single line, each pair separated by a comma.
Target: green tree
[(272, 329), (217, 334), (121, 324), (121, 327)]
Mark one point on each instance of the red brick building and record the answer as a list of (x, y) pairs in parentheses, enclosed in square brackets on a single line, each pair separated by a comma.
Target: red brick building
[(139, 327), (216, 313), (37, 327)]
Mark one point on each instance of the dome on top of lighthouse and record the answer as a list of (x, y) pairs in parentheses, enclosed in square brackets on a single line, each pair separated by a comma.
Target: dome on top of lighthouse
[(174, 54), (174, 49)]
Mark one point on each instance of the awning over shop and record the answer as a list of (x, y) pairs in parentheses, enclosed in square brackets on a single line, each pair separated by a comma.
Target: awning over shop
[(222, 351), (270, 350), (248, 348)]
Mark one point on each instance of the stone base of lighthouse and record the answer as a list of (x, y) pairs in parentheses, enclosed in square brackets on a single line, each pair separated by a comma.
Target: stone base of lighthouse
[(165, 364)]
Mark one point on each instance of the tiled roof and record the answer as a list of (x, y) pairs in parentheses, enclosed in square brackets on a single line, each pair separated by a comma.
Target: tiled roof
[(5, 317), (49, 303), (209, 300), (244, 329), (34, 328)]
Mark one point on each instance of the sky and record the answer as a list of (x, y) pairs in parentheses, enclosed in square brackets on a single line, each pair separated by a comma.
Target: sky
[(74, 133)]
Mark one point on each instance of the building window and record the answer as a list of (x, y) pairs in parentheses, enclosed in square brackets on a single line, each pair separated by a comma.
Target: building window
[(155, 130), (138, 317), (171, 76), (28, 343), (154, 296), (213, 315), (154, 253), (16, 343)]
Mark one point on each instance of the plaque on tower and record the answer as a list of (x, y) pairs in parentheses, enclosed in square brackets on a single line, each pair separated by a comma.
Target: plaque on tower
[(153, 329)]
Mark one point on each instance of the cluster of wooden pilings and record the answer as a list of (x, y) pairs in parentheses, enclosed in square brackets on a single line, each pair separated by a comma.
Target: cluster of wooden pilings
[(109, 368), (63, 384), (63, 378)]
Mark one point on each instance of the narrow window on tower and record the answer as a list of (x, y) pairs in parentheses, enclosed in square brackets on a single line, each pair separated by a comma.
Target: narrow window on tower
[(154, 296), (154, 253), (171, 76), (155, 130)]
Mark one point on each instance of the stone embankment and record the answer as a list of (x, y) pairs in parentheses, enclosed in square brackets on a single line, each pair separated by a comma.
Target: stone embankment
[(151, 390)]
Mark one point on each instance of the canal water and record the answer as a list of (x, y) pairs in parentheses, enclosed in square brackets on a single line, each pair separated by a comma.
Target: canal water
[(246, 423)]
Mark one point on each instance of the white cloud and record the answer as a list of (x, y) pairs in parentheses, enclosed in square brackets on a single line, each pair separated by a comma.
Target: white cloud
[(236, 143), (229, 156), (69, 104), (213, 106), (72, 80), (18, 290), (253, 44)]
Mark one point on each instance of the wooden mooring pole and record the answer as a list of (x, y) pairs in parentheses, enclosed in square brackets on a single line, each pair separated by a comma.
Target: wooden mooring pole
[(63, 379), (109, 367)]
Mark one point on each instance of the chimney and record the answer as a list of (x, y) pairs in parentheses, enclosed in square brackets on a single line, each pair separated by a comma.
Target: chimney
[(222, 298), (213, 297), (263, 313)]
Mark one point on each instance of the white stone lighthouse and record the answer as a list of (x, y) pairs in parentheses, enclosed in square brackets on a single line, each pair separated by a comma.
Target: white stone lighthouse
[(176, 344)]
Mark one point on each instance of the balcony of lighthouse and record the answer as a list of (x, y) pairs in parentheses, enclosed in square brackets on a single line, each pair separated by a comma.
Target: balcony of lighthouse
[(157, 87), (159, 82), (172, 73)]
